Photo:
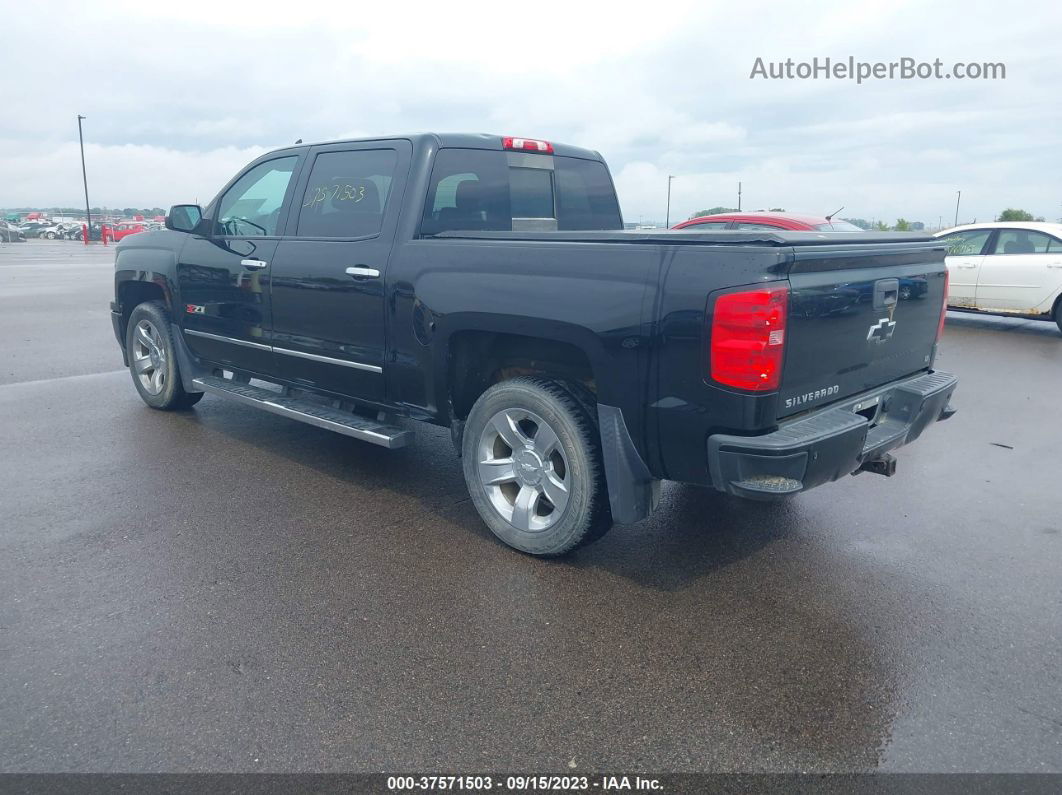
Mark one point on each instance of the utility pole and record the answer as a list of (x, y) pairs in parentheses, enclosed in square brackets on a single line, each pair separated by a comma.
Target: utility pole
[(667, 220), (958, 196), (84, 179), (739, 197)]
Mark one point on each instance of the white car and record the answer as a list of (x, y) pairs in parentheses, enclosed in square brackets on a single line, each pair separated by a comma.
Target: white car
[(1006, 268)]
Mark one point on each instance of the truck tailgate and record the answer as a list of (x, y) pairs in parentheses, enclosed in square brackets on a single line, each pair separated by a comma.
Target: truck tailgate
[(859, 316)]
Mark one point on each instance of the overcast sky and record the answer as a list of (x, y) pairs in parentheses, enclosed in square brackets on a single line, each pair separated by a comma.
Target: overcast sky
[(179, 96)]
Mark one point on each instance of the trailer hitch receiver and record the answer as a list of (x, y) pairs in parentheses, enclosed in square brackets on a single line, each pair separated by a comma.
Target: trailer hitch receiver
[(883, 465)]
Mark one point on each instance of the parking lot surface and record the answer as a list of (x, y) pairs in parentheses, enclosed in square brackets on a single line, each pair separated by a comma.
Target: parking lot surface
[(224, 589)]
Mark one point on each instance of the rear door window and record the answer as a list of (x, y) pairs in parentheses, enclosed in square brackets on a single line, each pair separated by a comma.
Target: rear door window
[(346, 194), (487, 190), (1021, 241)]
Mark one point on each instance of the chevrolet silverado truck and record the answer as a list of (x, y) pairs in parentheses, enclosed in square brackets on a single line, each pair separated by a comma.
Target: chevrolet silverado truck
[(485, 284)]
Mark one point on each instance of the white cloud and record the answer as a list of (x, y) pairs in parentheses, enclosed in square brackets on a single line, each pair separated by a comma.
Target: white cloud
[(123, 176), (179, 96)]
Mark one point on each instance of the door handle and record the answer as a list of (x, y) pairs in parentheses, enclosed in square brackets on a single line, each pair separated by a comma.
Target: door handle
[(1054, 264), (966, 267), (361, 272), (253, 264)]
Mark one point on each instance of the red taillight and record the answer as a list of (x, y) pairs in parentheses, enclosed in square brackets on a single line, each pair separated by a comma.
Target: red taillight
[(943, 305), (528, 145), (748, 338)]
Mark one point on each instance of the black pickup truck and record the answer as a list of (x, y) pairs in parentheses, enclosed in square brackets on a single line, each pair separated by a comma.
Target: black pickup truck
[(486, 284)]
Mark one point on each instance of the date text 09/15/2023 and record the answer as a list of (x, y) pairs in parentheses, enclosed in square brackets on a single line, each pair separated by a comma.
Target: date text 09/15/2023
[(523, 783)]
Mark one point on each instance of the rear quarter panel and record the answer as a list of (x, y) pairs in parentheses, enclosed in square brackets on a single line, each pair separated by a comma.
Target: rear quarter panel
[(598, 297), (686, 406)]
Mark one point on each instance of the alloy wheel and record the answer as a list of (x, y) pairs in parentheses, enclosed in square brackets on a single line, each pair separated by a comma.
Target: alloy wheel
[(524, 470), (149, 357)]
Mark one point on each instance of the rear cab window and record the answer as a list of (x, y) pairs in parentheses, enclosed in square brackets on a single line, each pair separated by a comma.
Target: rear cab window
[(489, 190)]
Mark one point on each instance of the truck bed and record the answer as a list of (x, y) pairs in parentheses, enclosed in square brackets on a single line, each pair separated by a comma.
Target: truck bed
[(685, 237)]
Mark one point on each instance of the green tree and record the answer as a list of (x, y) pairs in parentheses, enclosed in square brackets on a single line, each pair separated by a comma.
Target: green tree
[(714, 211), (902, 225), (778, 209), (862, 223), (1012, 214), (881, 226)]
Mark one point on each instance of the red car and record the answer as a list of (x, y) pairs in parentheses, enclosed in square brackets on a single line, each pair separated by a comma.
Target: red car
[(126, 228), (762, 220)]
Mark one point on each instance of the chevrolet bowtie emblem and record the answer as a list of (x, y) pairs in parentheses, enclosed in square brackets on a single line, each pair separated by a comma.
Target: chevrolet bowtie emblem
[(881, 331)]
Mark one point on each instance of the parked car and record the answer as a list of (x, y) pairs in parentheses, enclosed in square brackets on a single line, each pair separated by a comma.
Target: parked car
[(842, 298), (33, 228), (768, 220), (9, 233), (78, 232), (485, 284), (125, 228), (1006, 268), (52, 232)]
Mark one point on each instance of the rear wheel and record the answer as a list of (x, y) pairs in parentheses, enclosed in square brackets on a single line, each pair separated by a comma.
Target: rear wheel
[(1058, 313), (532, 464), (153, 360)]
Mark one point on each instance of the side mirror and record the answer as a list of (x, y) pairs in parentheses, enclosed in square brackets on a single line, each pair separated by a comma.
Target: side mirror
[(184, 217)]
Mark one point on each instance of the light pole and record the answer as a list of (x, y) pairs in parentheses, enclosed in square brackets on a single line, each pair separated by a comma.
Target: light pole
[(84, 179), (739, 197), (958, 195), (667, 219)]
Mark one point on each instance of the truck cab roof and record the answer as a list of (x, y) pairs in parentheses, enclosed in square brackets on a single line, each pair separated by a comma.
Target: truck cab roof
[(454, 141)]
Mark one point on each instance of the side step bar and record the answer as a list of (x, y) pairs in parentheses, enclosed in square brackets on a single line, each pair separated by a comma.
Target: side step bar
[(346, 423)]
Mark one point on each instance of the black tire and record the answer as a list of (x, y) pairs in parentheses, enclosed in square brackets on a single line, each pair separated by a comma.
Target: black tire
[(568, 411), (171, 394), (1058, 314)]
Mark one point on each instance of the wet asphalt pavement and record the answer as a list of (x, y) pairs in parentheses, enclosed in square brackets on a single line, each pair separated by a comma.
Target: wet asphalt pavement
[(224, 589)]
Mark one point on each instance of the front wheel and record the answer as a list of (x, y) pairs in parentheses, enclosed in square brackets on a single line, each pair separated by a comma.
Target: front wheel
[(153, 360), (1058, 314), (532, 463)]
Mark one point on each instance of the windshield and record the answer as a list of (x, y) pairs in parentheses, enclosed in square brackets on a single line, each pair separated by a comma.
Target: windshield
[(837, 226)]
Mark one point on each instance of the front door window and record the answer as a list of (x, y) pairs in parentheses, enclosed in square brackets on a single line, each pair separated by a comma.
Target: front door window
[(251, 207)]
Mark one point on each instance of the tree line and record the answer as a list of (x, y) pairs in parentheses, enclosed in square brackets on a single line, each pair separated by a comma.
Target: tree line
[(124, 211)]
